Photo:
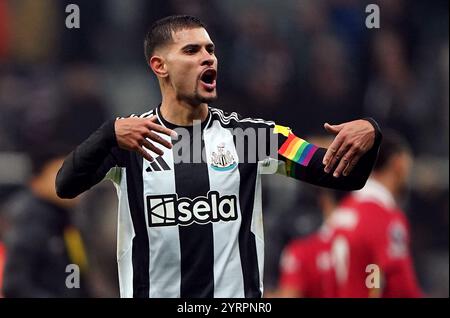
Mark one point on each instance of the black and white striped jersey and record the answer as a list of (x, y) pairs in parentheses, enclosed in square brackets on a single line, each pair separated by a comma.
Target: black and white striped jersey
[(194, 228)]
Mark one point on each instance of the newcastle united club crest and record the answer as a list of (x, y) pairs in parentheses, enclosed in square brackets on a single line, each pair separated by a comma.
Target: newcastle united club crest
[(222, 160)]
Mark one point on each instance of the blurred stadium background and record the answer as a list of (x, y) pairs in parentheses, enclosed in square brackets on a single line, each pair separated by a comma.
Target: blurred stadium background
[(298, 62)]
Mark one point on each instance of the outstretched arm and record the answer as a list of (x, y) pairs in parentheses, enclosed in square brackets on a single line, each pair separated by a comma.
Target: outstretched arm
[(345, 165)]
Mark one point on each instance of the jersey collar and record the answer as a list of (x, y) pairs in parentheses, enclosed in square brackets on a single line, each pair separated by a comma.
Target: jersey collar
[(169, 125), (375, 191)]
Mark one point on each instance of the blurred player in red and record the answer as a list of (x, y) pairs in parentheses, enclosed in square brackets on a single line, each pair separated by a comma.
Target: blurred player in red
[(3, 228), (370, 244), (306, 264), (2, 264)]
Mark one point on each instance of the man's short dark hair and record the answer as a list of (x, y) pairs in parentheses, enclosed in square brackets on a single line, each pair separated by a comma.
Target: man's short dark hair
[(391, 145), (160, 32)]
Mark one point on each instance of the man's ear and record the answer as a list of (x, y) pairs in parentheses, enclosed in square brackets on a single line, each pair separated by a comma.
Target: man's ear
[(158, 66)]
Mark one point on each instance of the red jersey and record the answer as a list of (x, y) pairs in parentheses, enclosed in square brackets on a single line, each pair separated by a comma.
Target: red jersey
[(306, 266), (370, 246), (2, 264)]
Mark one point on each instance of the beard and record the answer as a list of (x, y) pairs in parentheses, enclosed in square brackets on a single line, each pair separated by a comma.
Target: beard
[(205, 99), (197, 98)]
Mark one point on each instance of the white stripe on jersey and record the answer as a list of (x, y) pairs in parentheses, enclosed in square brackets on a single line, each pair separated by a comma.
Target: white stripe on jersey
[(257, 226), (164, 241), (125, 235), (136, 116), (228, 277), (147, 114)]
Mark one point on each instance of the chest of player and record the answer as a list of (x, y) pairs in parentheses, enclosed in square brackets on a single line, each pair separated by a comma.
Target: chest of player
[(199, 180)]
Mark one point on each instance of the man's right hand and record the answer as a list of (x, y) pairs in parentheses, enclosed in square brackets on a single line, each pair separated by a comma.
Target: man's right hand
[(135, 134)]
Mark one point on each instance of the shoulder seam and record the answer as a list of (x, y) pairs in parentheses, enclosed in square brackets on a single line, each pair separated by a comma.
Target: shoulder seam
[(147, 114), (144, 115), (227, 118)]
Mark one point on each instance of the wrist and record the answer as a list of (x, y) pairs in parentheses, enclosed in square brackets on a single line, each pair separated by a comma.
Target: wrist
[(109, 132), (378, 135)]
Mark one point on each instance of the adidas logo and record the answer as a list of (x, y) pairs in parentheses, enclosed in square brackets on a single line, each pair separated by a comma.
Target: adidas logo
[(158, 165)]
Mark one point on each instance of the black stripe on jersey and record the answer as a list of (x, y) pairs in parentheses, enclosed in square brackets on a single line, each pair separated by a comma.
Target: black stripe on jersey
[(140, 249), (247, 241), (196, 240)]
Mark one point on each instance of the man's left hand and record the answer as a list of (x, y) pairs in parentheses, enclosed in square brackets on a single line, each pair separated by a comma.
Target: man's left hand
[(353, 140)]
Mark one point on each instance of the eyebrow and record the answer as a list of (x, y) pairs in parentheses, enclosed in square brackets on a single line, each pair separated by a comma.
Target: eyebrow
[(196, 46)]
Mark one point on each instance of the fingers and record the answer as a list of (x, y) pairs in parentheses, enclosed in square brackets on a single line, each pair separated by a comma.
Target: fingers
[(352, 141), (144, 153), (351, 165), (145, 144), (153, 126), (149, 134), (334, 129), (331, 152), (345, 161), (337, 158), (329, 128), (158, 139), (150, 146)]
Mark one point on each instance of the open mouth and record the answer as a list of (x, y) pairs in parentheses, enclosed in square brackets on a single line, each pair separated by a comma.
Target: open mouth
[(208, 78)]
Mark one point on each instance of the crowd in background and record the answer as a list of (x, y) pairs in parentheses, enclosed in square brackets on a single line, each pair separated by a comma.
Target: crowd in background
[(300, 63)]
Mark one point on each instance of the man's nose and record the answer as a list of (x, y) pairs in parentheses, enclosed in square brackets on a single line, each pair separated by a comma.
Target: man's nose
[(207, 59)]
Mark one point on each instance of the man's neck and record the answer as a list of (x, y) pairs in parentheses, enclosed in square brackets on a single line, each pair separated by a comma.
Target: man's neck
[(181, 113)]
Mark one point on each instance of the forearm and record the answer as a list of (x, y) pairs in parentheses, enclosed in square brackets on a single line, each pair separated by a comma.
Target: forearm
[(315, 174), (88, 163), (312, 170)]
